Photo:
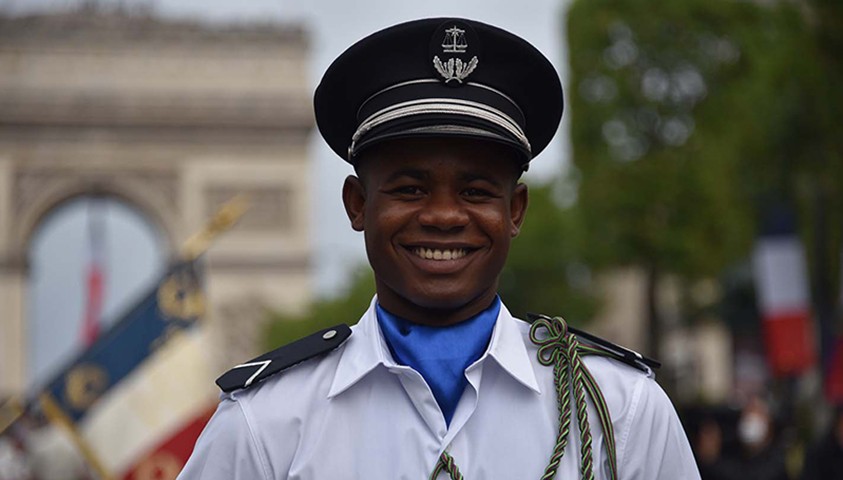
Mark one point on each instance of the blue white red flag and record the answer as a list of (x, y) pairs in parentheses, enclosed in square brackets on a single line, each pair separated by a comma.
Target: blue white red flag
[(138, 397), (782, 290)]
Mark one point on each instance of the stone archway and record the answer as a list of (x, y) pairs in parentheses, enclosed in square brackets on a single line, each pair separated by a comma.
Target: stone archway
[(173, 118), (37, 192)]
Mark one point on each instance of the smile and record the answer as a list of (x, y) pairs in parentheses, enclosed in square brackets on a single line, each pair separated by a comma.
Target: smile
[(437, 254)]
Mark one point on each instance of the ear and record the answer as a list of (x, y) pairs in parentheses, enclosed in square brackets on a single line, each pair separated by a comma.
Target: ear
[(354, 199), (518, 208)]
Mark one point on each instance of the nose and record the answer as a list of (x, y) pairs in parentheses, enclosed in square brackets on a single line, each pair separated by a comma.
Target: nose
[(443, 211)]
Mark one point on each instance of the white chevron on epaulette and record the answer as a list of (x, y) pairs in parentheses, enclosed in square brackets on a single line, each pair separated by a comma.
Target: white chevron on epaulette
[(251, 379)]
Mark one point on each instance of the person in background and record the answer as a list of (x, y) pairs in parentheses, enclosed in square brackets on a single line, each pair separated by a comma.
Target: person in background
[(756, 454), (825, 459)]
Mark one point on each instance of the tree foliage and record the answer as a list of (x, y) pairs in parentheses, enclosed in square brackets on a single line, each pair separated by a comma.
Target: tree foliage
[(325, 312), (545, 272), (691, 116), (670, 100)]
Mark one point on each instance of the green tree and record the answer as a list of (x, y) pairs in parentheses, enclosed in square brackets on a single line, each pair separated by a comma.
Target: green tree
[(813, 150), (323, 313), (675, 105), (545, 272)]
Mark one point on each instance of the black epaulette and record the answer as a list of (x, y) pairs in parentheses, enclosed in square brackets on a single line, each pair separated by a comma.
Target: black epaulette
[(622, 354), (280, 359)]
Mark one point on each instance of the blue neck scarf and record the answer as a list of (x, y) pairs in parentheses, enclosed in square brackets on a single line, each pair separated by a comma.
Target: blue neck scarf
[(440, 354)]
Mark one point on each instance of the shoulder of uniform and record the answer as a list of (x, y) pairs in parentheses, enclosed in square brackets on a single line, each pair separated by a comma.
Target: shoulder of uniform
[(608, 349), (258, 369)]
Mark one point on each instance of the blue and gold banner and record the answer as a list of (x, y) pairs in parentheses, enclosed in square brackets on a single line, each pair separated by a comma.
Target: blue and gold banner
[(175, 304)]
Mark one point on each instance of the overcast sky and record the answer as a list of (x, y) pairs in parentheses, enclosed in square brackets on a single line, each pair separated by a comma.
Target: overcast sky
[(333, 25)]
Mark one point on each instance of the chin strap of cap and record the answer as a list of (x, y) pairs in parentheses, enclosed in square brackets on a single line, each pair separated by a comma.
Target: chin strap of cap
[(562, 349)]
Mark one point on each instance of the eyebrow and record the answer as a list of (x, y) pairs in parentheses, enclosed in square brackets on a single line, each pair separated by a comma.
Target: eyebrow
[(414, 173), (470, 177), (421, 174)]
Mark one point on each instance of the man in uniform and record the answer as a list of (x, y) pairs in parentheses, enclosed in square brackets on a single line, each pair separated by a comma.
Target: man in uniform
[(439, 118)]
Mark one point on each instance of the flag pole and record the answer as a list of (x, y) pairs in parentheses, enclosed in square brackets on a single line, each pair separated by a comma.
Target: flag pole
[(10, 412), (58, 417), (223, 219)]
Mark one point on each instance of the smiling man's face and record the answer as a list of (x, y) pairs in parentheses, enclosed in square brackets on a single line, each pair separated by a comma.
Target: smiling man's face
[(438, 217)]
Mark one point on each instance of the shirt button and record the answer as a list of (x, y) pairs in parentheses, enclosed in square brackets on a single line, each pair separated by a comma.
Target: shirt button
[(329, 334)]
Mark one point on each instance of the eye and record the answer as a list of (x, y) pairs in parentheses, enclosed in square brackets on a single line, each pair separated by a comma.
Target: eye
[(408, 190), (475, 192)]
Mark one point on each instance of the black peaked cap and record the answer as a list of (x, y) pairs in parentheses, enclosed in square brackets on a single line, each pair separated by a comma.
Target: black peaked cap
[(439, 77)]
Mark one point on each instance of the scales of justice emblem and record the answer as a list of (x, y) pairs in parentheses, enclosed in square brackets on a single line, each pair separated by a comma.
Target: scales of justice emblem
[(454, 68)]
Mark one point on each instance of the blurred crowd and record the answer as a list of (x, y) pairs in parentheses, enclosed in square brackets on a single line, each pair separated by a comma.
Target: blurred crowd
[(758, 441)]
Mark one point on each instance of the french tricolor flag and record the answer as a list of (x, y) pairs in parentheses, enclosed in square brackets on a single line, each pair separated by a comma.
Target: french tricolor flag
[(95, 276), (146, 428), (136, 399), (782, 289)]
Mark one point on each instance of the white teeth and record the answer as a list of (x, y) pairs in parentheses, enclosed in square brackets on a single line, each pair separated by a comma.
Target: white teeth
[(436, 254)]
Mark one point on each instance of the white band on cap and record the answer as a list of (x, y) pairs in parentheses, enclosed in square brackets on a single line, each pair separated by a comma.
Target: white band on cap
[(435, 81), (495, 90), (440, 106)]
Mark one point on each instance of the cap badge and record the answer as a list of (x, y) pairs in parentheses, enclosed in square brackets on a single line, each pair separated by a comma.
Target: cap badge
[(454, 68), (454, 41)]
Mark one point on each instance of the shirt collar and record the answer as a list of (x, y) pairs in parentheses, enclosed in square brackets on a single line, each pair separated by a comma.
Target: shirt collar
[(508, 349), (366, 349)]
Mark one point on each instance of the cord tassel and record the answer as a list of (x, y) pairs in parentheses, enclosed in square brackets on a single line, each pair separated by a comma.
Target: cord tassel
[(561, 349)]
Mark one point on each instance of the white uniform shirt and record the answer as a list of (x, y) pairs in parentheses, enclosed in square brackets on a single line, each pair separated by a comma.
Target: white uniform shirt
[(356, 414)]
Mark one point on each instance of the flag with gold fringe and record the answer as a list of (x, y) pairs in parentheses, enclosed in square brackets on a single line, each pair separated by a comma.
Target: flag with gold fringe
[(137, 398)]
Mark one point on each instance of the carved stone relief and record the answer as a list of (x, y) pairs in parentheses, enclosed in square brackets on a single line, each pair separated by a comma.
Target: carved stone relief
[(30, 184), (269, 206)]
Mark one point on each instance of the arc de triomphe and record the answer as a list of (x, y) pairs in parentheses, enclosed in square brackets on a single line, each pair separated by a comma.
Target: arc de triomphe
[(174, 119)]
